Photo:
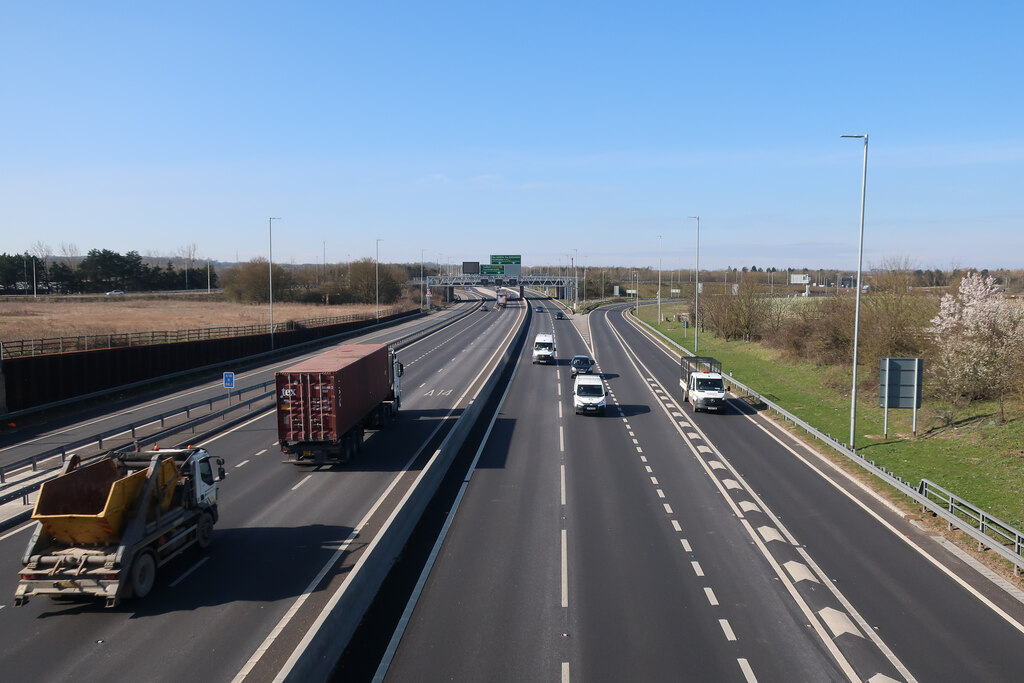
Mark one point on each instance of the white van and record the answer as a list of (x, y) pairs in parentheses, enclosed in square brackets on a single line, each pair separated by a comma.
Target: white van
[(588, 394), (544, 349)]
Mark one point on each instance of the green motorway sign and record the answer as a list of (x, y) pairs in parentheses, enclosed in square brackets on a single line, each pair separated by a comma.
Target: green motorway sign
[(491, 269)]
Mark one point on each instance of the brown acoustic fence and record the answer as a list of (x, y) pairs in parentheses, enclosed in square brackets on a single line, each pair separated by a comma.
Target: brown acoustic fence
[(36, 380)]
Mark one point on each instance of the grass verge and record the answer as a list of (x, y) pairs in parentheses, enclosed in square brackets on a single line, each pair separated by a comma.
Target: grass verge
[(978, 459)]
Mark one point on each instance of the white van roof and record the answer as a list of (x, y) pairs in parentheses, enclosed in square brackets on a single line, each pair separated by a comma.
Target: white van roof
[(589, 379), (544, 338)]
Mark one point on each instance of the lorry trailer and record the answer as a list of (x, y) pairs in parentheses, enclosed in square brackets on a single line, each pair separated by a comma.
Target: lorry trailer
[(325, 403), (104, 529)]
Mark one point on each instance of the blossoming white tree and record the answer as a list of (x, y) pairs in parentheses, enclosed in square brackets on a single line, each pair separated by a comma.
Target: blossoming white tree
[(980, 338)]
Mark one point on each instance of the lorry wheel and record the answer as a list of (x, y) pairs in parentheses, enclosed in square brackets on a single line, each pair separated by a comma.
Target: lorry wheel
[(143, 574), (204, 531)]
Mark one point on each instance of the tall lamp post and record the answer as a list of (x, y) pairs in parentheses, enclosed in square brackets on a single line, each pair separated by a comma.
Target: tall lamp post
[(270, 232), (696, 294), (376, 274), (421, 279), (856, 314), (659, 279)]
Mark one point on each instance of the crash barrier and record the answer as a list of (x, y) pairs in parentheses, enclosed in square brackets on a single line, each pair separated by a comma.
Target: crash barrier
[(23, 488), (989, 531), (326, 640)]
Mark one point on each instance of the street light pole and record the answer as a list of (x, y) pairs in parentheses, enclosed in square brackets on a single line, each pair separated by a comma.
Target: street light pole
[(575, 282), (270, 232), (421, 279), (856, 314), (696, 294), (659, 279), (376, 272)]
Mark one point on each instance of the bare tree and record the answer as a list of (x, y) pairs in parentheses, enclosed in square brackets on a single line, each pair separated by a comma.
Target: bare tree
[(70, 252)]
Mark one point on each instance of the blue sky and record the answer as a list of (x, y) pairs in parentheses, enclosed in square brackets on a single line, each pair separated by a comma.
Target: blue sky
[(457, 130)]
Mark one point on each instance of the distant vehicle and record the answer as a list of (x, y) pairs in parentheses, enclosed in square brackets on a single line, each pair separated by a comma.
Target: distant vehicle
[(588, 394), (700, 378), (484, 308), (540, 309), (501, 299), (115, 292), (581, 365), (559, 316)]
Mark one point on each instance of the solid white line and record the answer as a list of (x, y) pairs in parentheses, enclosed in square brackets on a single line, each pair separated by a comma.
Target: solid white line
[(910, 542), (565, 569), (192, 569), (24, 527)]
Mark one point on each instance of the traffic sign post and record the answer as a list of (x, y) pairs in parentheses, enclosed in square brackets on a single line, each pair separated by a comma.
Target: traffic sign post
[(229, 384)]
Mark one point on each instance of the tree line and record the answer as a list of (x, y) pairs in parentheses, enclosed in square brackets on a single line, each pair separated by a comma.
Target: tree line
[(971, 334), (100, 270)]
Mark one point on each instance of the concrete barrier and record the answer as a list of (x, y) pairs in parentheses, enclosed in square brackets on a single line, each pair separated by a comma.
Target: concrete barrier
[(318, 652)]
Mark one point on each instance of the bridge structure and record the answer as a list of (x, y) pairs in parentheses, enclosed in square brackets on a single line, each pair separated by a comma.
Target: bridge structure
[(565, 285)]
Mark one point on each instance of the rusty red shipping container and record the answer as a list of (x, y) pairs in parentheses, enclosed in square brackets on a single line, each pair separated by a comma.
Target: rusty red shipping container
[(324, 402)]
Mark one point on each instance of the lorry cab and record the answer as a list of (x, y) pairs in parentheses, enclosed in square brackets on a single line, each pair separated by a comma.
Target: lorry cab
[(588, 394), (544, 348)]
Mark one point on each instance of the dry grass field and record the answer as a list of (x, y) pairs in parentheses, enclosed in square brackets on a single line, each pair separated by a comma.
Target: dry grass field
[(30, 318)]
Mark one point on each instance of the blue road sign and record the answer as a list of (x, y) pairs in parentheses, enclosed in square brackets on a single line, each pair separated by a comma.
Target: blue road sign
[(229, 380)]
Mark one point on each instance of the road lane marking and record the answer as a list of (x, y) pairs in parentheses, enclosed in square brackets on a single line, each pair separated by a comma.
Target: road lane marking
[(711, 596), (563, 484), (565, 569), (308, 477), (241, 463), (727, 629)]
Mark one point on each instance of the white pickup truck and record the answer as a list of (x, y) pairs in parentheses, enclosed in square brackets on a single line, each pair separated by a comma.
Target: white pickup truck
[(700, 378)]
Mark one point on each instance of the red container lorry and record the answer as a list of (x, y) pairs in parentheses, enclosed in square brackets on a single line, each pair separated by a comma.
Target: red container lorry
[(325, 403)]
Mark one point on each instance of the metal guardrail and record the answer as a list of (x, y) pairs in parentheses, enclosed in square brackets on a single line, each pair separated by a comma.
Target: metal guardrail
[(91, 342), (989, 531), (24, 490), (973, 515), (62, 450)]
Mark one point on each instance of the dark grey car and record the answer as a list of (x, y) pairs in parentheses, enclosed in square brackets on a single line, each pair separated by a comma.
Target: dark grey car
[(581, 365)]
